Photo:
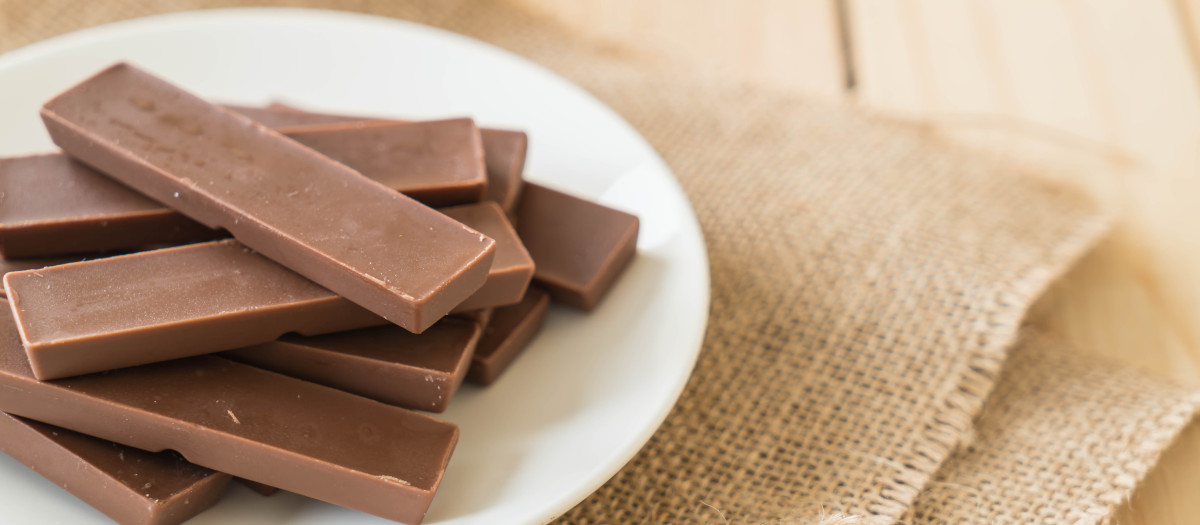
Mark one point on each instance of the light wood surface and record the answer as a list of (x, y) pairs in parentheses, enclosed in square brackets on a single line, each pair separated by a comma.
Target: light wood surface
[(1109, 90)]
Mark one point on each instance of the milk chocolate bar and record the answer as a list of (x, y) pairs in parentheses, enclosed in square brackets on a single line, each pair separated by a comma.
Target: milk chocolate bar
[(130, 486), (385, 363), (362, 240), (512, 268), (481, 316), (262, 489), (259, 425), (579, 247), (151, 306), (279, 116), (509, 332), (16, 265), (504, 154), (196, 299), (504, 150), (439, 163), (52, 205)]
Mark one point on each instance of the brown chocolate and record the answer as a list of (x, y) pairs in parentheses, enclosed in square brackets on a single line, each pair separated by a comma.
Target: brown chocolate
[(16, 265), (67, 207), (512, 268), (251, 423), (277, 117), (579, 247), (164, 304), (481, 316), (128, 485), (127, 310), (262, 489), (385, 363), (509, 332), (362, 240), (52, 205), (504, 150), (439, 163), (56, 205), (504, 154)]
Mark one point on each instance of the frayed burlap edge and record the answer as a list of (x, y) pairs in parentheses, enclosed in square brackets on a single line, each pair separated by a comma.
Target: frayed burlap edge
[(1064, 438)]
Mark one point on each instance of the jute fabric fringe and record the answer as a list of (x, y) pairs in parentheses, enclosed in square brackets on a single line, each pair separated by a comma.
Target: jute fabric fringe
[(1065, 435), (867, 284)]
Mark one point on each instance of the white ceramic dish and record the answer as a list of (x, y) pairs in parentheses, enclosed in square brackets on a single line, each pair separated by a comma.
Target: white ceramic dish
[(591, 389)]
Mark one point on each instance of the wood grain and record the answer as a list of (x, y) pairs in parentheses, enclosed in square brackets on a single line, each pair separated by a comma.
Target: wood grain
[(1107, 90), (789, 44)]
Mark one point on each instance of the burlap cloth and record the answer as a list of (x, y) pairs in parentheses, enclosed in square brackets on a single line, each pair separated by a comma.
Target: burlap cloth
[(868, 284)]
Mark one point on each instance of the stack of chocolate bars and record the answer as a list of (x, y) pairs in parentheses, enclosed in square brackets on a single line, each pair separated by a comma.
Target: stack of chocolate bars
[(197, 291)]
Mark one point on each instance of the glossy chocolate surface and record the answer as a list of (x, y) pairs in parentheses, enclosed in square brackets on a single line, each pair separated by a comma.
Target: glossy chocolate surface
[(189, 300), (129, 485), (509, 332), (504, 149), (17, 265), (580, 247), (260, 488), (364, 241), (51, 205), (439, 163), (251, 423), (279, 116), (504, 152), (385, 363), (163, 304), (513, 267)]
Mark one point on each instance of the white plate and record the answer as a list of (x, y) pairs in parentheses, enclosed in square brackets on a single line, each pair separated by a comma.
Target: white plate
[(590, 390)]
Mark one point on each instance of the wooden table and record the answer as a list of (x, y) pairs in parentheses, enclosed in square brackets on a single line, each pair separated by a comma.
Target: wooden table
[(1108, 91)]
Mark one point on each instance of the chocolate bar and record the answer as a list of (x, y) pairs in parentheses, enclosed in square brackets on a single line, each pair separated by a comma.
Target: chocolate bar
[(504, 154), (362, 240), (261, 489), (439, 163), (202, 298), (16, 265), (67, 207), (509, 332), (151, 306), (481, 316), (512, 268), (279, 116), (52, 205), (251, 423), (579, 247), (385, 363), (130, 486), (504, 150)]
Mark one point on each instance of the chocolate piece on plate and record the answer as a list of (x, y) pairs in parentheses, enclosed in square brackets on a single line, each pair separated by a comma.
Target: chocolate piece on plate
[(364, 241), (129, 485), (509, 332), (504, 149), (247, 422), (439, 163), (36, 263), (202, 298), (513, 267), (262, 489), (51, 205), (385, 363), (579, 247)]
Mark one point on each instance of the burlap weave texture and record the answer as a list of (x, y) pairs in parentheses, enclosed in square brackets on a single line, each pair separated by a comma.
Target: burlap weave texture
[(868, 282), (1065, 436)]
